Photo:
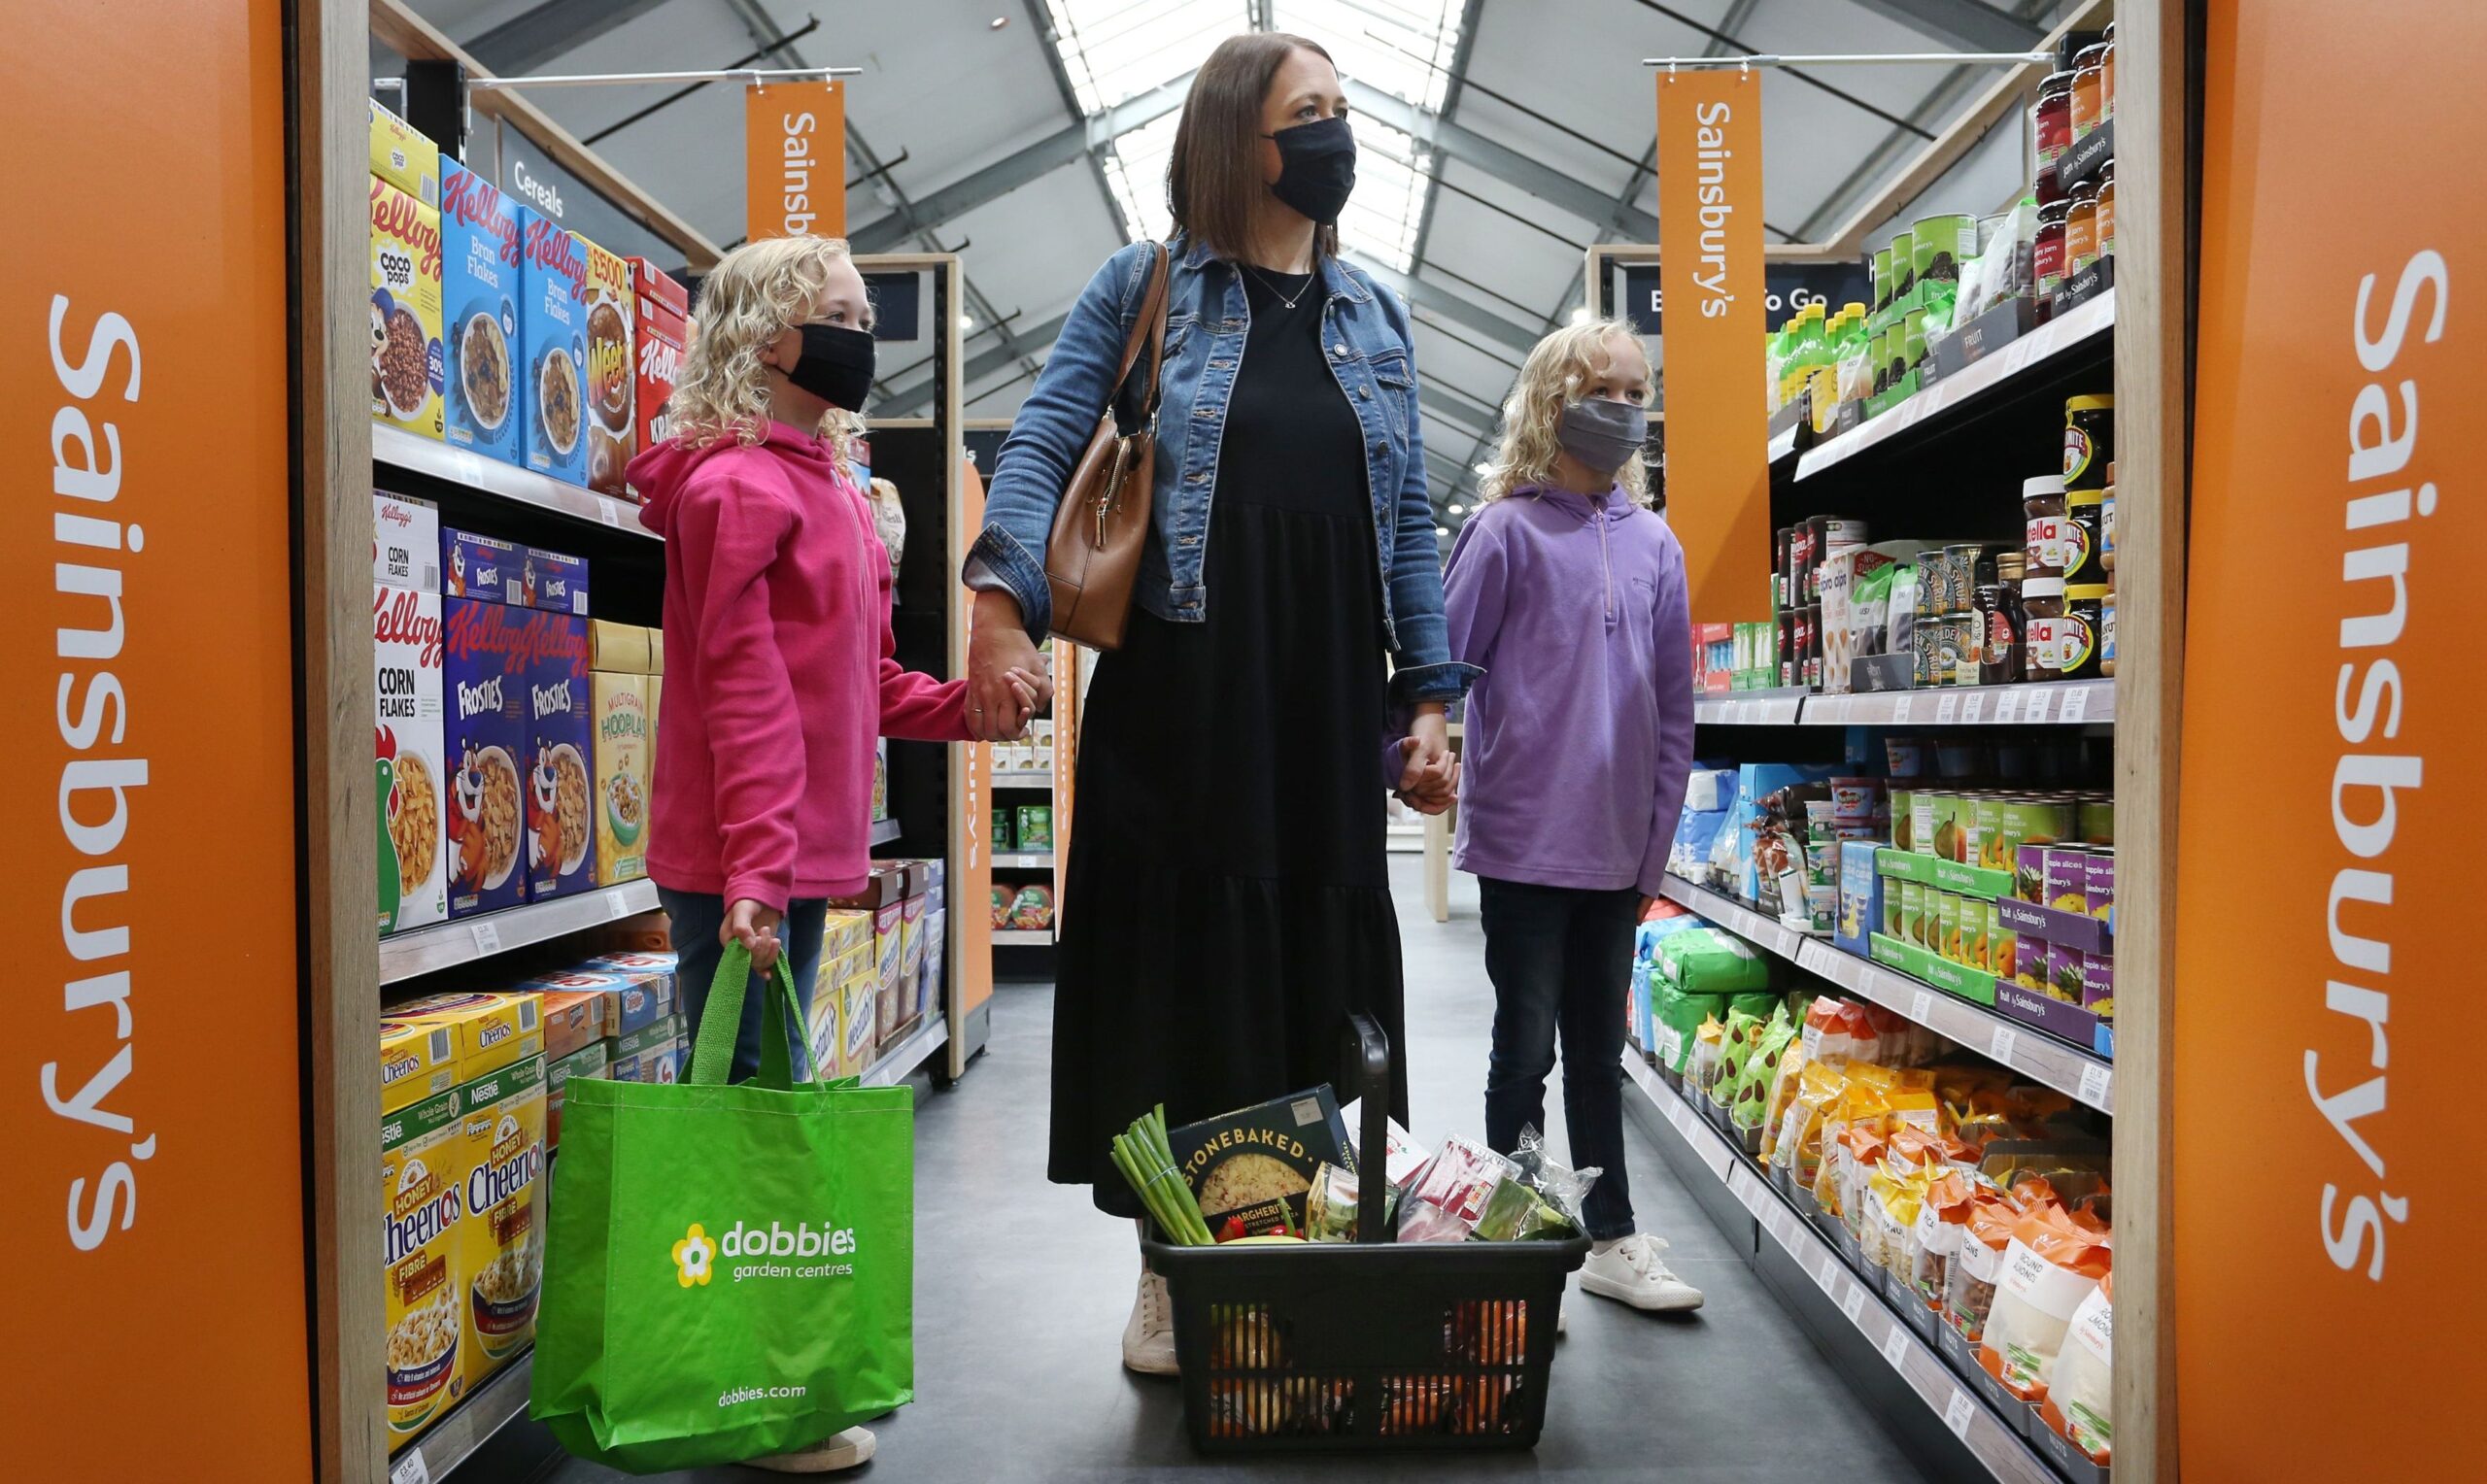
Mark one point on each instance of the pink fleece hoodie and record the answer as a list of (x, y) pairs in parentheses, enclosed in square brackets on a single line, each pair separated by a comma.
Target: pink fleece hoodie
[(778, 670)]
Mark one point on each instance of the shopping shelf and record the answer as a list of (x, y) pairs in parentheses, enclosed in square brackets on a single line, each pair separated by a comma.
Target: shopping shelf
[(1955, 399), (885, 830), (900, 1061), (2022, 1047), (1023, 778), (1751, 708), (1855, 1296), (2049, 702), (465, 1426), (393, 448), (1022, 938), (426, 949), (1023, 860)]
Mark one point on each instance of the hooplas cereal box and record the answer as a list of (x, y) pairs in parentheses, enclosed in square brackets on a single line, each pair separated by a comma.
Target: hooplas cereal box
[(479, 287), (552, 329), (612, 370), (408, 770), (560, 756), (484, 723), (423, 1207), (406, 361)]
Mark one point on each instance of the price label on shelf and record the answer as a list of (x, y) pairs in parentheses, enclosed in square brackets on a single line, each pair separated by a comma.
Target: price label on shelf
[(1958, 1411), (469, 468), (2095, 1084), (604, 512), (617, 905), (1920, 1006), (2037, 710), (2076, 704), (1854, 1303), (1972, 708), (410, 1467), (1947, 710), (1826, 1271), (1900, 710), (2005, 1039), (1896, 1348), (488, 936), (2007, 706)]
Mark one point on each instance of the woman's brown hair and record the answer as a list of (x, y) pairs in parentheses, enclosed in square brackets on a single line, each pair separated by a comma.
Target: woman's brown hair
[(1214, 180)]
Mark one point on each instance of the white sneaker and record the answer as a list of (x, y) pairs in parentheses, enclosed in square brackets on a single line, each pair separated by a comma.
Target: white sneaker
[(1631, 1271), (1148, 1340), (835, 1454)]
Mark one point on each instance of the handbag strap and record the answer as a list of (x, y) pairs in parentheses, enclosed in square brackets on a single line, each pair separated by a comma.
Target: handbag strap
[(1149, 332), (713, 1052)]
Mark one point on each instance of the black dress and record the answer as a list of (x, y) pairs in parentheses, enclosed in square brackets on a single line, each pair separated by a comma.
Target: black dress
[(1227, 901)]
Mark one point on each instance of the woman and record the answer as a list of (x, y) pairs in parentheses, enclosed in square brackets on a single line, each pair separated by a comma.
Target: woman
[(1227, 900), (1580, 738)]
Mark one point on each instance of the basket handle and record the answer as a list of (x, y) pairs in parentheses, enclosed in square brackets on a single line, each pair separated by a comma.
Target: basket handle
[(1368, 1072)]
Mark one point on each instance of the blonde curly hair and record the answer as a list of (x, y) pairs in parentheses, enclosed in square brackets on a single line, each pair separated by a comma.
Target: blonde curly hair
[(751, 297), (1555, 372)]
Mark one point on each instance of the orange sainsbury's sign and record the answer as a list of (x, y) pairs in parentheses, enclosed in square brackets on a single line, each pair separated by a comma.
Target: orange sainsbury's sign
[(795, 159)]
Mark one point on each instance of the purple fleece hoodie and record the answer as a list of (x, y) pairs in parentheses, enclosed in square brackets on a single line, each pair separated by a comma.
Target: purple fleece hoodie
[(1579, 737)]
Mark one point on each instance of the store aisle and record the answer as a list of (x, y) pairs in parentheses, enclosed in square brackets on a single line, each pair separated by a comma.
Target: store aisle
[(1022, 1290)]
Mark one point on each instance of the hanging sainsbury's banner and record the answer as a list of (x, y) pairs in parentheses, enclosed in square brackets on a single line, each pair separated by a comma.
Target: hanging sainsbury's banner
[(795, 159), (151, 1074), (2325, 992), (1717, 470)]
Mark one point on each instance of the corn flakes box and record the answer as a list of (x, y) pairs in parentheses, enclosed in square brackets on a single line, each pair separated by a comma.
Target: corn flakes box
[(501, 1248), (479, 287), (572, 1019), (649, 990), (560, 753), (618, 706), (417, 1060), (404, 157), (405, 542), (588, 1061), (484, 721), (612, 369), (553, 581), (406, 358), (408, 767), (552, 331), (423, 1207)]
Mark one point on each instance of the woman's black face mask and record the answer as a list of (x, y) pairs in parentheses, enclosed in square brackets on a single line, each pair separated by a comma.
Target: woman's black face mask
[(1317, 168), (836, 365)]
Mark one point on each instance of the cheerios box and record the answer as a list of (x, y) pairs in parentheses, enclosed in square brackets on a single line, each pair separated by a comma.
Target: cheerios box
[(619, 708), (501, 1246), (404, 157), (612, 369), (423, 1208), (406, 359), (405, 542), (409, 774), (417, 1060), (552, 333), (561, 757), (479, 287), (494, 1028), (484, 729)]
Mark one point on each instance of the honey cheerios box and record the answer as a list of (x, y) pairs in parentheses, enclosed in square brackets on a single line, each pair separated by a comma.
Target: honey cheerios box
[(484, 739), (423, 1208), (480, 252), (552, 332), (409, 770), (406, 361), (561, 757)]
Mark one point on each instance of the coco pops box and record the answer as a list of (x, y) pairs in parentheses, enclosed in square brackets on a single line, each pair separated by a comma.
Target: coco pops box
[(612, 369), (561, 751), (406, 360), (552, 332), (479, 287), (484, 723)]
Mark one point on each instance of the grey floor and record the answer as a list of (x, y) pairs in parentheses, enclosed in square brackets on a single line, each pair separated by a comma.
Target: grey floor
[(1022, 1290)]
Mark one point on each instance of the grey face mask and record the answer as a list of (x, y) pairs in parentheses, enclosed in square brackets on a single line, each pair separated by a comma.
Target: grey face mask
[(1602, 434)]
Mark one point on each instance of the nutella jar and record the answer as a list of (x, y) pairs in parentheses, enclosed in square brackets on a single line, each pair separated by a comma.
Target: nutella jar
[(2081, 631), (2043, 609), (2043, 508)]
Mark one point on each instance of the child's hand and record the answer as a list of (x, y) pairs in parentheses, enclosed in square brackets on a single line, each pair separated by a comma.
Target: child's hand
[(754, 926)]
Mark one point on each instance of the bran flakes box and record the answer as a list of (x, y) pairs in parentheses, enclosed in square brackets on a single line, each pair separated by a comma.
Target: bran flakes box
[(406, 358), (618, 708), (422, 1206), (479, 289), (560, 753), (552, 332), (409, 770), (405, 542), (485, 728), (501, 1127), (612, 369), (553, 581), (478, 566)]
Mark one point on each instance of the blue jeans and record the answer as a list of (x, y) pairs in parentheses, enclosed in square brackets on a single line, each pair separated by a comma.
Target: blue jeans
[(696, 917), (1561, 957)]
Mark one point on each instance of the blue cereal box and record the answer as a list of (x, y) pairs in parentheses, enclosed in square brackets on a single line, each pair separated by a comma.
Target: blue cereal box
[(484, 737), (485, 568), (552, 332), (553, 581), (560, 746), (1861, 897), (479, 274)]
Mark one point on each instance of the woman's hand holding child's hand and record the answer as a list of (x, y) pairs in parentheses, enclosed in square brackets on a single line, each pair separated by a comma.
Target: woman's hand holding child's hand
[(1429, 780)]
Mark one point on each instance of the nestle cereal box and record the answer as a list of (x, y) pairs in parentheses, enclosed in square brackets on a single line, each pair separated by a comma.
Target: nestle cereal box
[(612, 369), (477, 566), (588, 1061), (405, 311), (619, 708), (405, 542), (404, 157), (552, 332), (423, 1205), (417, 1060), (647, 1054), (560, 753), (484, 730), (501, 1248), (553, 581), (409, 771), (572, 1019), (479, 287)]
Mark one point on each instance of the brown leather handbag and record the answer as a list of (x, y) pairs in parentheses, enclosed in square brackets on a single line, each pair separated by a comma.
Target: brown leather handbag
[(1092, 559)]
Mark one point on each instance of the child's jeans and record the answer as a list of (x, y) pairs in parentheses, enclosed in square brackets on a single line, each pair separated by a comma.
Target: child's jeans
[(696, 916)]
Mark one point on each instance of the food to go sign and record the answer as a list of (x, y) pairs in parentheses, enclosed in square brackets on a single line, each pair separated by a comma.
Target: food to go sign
[(794, 153)]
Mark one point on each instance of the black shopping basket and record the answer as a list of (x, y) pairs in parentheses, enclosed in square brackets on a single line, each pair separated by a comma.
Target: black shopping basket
[(1371, 1344)]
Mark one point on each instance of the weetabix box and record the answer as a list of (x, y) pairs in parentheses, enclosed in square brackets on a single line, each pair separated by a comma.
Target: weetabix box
[(405, 542), (485, 728), (553, 581), (859, 1023), (408, 767), (406, 360), (477, 566), (612, 369), (560, 752), (479, 289), (404, 157), (552, 332)]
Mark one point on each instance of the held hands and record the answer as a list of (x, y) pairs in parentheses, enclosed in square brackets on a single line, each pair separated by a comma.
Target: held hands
[(1008, 681), (755, 927), (1429, 778)]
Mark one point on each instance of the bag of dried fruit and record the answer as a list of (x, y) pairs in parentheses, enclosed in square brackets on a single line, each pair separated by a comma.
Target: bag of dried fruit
[(2054, 1261), (2080, 1400)]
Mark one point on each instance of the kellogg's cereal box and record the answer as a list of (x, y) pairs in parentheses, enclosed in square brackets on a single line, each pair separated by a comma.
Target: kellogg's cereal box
[(561, 749), (479, 289), (405, 311), (651, 286), (553, 581), (408, 768), (475, 567), (612, 369), (552, 332), (663, 336), (405, 542), (619, 708), (404, 157), (422, 1206), (501, 1246), (485, 732)]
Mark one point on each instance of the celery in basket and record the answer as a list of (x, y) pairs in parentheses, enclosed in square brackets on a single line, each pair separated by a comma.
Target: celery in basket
[(1145, 1161)]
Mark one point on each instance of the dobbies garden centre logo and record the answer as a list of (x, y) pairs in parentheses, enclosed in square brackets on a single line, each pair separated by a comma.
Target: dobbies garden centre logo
[(753, 1250), (692, 1257)]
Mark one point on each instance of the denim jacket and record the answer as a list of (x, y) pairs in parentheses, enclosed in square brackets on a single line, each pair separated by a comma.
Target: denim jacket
[(1370, 352)]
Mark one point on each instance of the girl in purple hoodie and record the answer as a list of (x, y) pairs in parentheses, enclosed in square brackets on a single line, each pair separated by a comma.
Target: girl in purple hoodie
[(1570, 595)]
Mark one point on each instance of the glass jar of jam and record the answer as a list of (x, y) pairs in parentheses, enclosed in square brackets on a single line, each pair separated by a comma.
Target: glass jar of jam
[(2042, 610), (2106, 229), (2107, 78), (2051, 120), (2048, 260), (2083, 113), (2078, 634), (1999, 656), (2081, 229), (2042, 509)]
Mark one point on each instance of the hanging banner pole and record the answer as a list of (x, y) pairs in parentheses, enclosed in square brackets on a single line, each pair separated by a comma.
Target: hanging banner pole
[(1718, 469), (795, 159)]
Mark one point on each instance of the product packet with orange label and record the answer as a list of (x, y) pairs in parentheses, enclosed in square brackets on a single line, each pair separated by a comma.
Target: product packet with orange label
[(2052, 1262)]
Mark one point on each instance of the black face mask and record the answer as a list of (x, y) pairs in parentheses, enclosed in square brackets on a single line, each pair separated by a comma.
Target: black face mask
[(835, 366), (1317, 168)]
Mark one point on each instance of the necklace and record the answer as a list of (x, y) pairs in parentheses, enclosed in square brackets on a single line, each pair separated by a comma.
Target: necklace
[(1300, 292)]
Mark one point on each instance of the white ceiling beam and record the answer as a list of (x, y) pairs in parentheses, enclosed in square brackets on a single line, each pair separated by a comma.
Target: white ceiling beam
[(1968, 24), (1589, 203)]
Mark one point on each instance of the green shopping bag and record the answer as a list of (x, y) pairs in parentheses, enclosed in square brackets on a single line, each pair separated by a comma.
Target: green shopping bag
[(728, 1271)]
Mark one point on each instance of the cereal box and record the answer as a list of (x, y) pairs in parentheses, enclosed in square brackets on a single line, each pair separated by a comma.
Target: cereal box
[(647, 1054), (405, 542), (859, 1023), (656, 721), (479, 263), (501, 1248), (485, 730), (612, 370), (417, 1060), (619, 710), (572, 1018), (889, 955), (661, 335), (645, 983), (553, 581), (404, 157), (656, 651), (409, 773), (405, 311), (927, 987), (620, 648), (477, 566), (494, 1029), (560, 752), (902, 1011), (423, 1205), (652, 286), (845, 932), (552, 333), (589, 1061)]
